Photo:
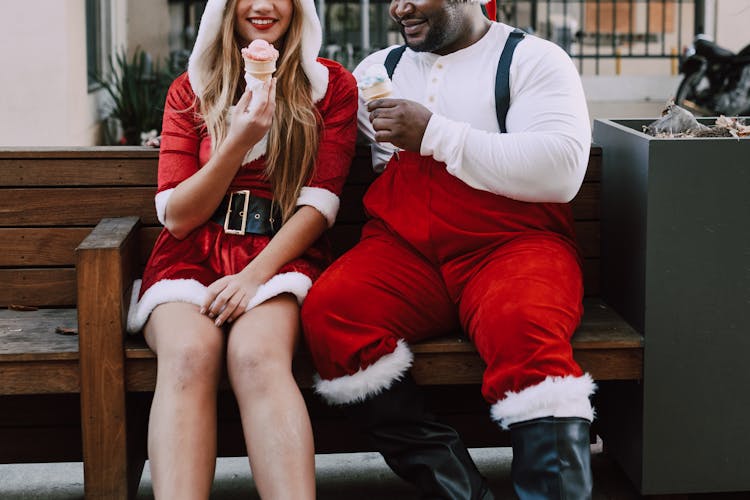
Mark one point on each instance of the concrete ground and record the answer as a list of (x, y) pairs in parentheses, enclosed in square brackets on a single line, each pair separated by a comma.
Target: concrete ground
[(340, 476)]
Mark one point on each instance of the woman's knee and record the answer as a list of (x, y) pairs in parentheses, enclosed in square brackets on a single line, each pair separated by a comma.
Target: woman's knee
[(191, 356), (257, 368)]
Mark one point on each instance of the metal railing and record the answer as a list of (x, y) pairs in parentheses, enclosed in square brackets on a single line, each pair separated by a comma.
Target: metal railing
[(602, 36), (595, 32)]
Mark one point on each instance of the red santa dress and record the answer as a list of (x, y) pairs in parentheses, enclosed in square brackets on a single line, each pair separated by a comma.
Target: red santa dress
[(180, 270)]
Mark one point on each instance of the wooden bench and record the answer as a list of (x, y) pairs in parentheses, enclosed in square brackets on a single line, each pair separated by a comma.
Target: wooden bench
[(86, 396)]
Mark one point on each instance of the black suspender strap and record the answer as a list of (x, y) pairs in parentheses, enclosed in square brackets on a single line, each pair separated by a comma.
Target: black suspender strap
[(392, 59), (502, 77)]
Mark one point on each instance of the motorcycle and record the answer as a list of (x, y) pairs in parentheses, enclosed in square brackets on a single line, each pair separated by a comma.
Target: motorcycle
[(716, 81)]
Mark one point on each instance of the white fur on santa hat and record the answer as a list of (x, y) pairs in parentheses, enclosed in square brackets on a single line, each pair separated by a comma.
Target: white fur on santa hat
[(208, 35)]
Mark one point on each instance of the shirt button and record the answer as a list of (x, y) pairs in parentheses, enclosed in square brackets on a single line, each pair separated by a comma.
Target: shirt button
[(432, 98), (434, 80), (439, 66)]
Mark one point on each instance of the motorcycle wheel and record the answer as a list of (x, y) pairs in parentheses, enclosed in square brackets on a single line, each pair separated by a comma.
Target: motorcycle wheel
[(687, 94)]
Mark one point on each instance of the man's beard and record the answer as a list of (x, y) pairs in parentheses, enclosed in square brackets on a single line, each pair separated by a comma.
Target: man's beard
[(443, 30), (435, 39)]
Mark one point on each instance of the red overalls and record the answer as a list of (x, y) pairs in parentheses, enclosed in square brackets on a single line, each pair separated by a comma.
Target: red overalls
[(439, 254)]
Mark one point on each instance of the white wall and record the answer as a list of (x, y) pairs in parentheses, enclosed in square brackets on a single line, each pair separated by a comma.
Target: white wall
[(44, 99), (733, 24), (148, 26), (44, 96)]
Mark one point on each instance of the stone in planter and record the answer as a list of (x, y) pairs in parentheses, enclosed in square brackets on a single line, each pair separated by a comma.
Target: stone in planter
[(676, 264)]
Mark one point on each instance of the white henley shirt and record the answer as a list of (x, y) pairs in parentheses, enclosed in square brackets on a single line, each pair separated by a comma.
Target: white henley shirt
[(543, 156)]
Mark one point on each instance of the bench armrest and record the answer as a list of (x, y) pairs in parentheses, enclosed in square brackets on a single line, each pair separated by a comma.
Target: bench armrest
[(106, 263)]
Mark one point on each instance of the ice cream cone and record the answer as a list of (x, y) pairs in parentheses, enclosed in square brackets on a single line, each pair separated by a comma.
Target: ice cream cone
[(260, 60), (261, 70), (378, 90), (375, 83)]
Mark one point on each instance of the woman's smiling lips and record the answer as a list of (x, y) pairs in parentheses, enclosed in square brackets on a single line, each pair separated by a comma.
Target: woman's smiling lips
[(262, 23)]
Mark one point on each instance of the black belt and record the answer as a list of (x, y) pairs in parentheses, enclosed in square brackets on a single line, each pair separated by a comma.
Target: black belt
[(242, 213)]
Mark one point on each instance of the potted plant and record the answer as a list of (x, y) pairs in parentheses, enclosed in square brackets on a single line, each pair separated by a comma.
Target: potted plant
[(137, 87)]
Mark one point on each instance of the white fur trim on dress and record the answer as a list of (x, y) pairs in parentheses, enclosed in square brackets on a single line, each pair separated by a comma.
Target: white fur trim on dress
[(367, 382), (552, 397), (193, 292), (257, 151), (323, 200), (160, 200), (182, 290), (293, 282), (208, 35)]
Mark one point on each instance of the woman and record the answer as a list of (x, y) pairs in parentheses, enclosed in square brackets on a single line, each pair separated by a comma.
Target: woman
[(224, 281)]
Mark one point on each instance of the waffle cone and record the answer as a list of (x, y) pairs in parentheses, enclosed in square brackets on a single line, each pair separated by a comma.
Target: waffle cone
[(262, 70), (377, 91)]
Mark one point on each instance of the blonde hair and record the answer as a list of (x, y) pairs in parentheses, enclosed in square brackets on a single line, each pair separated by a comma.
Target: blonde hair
[(295, 131)]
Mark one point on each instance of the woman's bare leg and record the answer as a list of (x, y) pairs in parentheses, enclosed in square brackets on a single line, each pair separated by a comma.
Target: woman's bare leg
[(276, 425), (182, 426)]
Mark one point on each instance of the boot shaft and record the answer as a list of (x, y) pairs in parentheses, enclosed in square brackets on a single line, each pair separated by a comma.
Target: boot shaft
[(552, 459), (416, 446)]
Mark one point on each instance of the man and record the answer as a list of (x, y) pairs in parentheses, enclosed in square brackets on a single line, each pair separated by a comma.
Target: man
[(470, 227)]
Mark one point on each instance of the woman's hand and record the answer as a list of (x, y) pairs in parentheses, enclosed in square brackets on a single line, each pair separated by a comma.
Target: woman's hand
[(228, 297), (253, 116)]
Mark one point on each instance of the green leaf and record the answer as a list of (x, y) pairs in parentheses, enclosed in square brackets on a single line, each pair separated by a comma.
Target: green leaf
[(137, 88)]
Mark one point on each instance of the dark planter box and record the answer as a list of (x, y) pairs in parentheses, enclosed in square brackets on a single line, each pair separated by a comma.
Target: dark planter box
[(676, 264)]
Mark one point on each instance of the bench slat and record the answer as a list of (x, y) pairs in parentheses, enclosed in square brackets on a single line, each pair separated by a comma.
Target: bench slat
[(103, 152), (74, 206), (48, 246), (38, 287), (53, 246), (15, 172), (27, 335), (40, 377)]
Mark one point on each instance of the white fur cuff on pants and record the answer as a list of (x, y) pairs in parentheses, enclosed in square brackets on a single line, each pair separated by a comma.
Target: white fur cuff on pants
[(367, 382), (553, 397)]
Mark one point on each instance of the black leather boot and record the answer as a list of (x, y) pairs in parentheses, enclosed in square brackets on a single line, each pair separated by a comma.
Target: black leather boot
[(551, 459), (416, 446)]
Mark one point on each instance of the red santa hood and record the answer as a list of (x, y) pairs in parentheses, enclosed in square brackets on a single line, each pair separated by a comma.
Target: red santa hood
[(209, 34)]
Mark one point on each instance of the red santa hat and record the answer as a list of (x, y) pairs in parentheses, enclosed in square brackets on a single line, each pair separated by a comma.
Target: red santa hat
[(209, 34), (490, 7)]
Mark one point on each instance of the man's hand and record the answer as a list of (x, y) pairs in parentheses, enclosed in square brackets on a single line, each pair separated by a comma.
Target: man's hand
[(400, 122)]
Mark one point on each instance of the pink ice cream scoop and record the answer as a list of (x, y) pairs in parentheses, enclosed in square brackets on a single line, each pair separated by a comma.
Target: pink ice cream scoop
[(260, 59)]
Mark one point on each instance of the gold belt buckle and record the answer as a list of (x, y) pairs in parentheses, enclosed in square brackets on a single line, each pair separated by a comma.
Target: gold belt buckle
[(243, 213)]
